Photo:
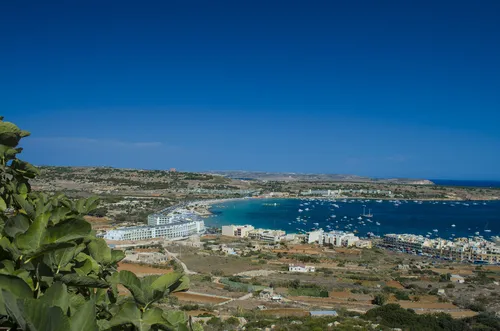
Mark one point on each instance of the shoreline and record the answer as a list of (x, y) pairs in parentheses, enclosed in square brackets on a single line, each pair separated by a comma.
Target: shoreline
[(202, 207)]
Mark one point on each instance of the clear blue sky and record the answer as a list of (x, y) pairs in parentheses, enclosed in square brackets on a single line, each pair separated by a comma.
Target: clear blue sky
[(377, 88)]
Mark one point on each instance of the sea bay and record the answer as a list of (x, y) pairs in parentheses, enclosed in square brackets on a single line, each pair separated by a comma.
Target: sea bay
[(446, 219)]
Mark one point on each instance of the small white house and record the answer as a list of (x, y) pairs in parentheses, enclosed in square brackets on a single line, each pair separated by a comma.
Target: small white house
[(301, 268), (457, 279)]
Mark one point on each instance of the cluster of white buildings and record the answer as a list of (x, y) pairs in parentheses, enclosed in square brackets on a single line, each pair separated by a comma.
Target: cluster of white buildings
[(475, 249), (173, 226), (248, 231), (337, 239), (301, 268), (339, 192)]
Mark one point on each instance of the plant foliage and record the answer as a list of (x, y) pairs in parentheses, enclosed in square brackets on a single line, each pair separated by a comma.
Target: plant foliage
[(55, 274)]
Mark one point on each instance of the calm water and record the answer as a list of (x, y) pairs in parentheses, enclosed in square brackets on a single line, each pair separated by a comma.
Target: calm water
[(409, 217)]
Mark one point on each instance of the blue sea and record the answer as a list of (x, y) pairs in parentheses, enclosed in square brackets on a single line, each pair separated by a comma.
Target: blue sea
[(434, 218)]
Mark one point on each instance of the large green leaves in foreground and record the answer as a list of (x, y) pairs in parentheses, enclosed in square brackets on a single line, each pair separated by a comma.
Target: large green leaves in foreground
[(55, 274)]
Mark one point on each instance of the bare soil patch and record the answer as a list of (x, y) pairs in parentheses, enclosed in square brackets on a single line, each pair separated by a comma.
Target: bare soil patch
[(395, 284), (198, 298), (423, 305), (285, 312), (141, 270)]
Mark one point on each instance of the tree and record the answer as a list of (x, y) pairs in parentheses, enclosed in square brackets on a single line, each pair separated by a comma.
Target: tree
[(379, 299), (55, 274)]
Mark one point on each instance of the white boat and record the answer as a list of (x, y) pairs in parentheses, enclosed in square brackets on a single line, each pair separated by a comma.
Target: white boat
[(300, 210), (307, 209), (435, 230), (453, 225), (476, 233), (487, 230), (377, 223), (360, 218)]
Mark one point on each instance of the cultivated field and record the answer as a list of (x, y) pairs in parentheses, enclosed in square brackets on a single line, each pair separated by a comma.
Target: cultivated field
[(142, 270)]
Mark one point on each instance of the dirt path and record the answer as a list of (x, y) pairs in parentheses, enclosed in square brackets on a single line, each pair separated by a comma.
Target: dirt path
[(184, 266)]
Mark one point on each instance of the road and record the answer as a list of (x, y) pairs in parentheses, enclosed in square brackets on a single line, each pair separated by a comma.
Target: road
[(183, 265)]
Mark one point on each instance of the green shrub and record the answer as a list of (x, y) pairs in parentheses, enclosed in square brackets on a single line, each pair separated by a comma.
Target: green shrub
[(55, 274)]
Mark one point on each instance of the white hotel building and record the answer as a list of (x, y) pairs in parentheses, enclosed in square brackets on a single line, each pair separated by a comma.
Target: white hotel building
[(174, 227)]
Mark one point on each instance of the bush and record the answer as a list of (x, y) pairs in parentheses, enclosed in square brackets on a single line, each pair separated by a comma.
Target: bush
[(379, 299), (217, 272), (190, 307), (55, 274), (393, 316)]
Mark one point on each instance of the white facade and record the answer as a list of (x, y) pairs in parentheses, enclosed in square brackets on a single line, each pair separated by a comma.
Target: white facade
[(236, 230), (158, 219), (457, 279), (315, 236), (341, 239), (160, 226), (300, 268), (267, 235)]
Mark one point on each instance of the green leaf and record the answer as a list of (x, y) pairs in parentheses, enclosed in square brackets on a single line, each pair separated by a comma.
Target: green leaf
[(16, 287), (91, 204), (60, 258), (59, 214), (129, 313), (150, 317), (9, 306), (100, 251), (25, 206), (10, 134), (133, 284), (84, 318), (16, 224), (56, 295), (165, 281), (7, 267), (31, 240), (3, 205), (67, 230), (80, 206), (89, 264), (42, 317), (48, 248), (175, 318), (181, 285), (83, 281), (24, 168), (151, 294), (117, 255), (9, 153), (8, 247), (23, 189), (76, 302)]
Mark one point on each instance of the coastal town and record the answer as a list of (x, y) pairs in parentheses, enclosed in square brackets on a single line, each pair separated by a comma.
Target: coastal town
[(241, 275), (245, 268)]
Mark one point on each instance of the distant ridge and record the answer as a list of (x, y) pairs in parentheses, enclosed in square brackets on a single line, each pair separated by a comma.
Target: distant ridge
[(292, 176)]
